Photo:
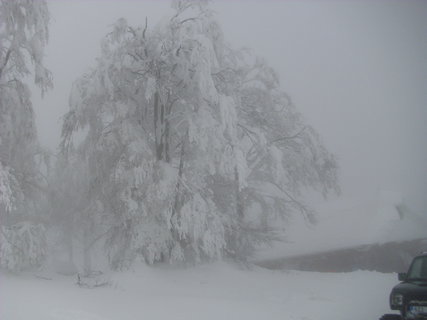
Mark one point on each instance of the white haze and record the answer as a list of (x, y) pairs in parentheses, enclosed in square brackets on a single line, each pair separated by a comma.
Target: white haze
[(357, 70)]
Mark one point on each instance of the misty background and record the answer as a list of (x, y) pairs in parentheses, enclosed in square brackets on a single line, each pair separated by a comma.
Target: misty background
[(184, 173), (357, 71)]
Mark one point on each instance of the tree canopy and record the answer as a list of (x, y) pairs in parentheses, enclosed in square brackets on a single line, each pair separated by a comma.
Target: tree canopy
[(190, 149), (23, 36)]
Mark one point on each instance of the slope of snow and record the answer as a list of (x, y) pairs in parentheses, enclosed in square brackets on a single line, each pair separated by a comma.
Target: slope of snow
[(217, 291), (350, 222)]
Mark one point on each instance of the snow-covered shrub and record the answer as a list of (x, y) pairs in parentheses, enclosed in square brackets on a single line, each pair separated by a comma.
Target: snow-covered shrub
[(22, 246)]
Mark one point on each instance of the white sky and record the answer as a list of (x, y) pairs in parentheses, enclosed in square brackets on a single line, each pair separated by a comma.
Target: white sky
[(357, 70)]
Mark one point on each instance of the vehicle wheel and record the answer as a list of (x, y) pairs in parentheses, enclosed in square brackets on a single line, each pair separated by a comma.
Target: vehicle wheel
[(391, 317)]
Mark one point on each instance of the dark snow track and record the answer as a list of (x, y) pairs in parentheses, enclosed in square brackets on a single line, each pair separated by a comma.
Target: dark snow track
[(387, 257)]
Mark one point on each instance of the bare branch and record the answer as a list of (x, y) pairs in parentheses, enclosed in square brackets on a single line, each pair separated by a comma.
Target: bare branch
[(248, 132), (303, 209), (186, 20), (132, 30), (6, 60), (289, 137), (145, 28), (133, 56)]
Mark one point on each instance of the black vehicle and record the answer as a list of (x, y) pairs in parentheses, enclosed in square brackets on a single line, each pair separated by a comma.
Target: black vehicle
[(410, 296)]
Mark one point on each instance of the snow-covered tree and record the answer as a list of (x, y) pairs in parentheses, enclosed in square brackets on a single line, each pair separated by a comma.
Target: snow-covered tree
[(282, 155), (183, 139), (23, 35)]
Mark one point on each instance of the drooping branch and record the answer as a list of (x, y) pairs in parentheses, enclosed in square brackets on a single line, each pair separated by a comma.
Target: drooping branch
[(303, 209)]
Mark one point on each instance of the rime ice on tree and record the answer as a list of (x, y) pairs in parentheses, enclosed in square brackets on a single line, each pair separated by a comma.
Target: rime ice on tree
[(190, 149)]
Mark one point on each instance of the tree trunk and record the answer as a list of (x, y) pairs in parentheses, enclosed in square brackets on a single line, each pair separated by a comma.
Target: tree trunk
[(69, 245), (177, 202), (166, 141), (87, 259), (239, 239), (239, 205), (157, 127), (178, 183)]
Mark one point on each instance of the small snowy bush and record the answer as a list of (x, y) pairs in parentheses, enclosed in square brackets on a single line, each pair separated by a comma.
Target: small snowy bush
[(22, 246)]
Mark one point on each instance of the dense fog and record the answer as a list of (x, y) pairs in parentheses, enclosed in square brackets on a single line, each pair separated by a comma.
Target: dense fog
[(183, 133)]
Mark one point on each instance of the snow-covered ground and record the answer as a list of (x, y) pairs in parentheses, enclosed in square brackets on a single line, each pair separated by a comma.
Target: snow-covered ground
[(214, 291)]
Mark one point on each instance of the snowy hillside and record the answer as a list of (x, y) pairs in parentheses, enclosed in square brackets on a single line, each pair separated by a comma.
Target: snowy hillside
[(351, 222), (218, 291)]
